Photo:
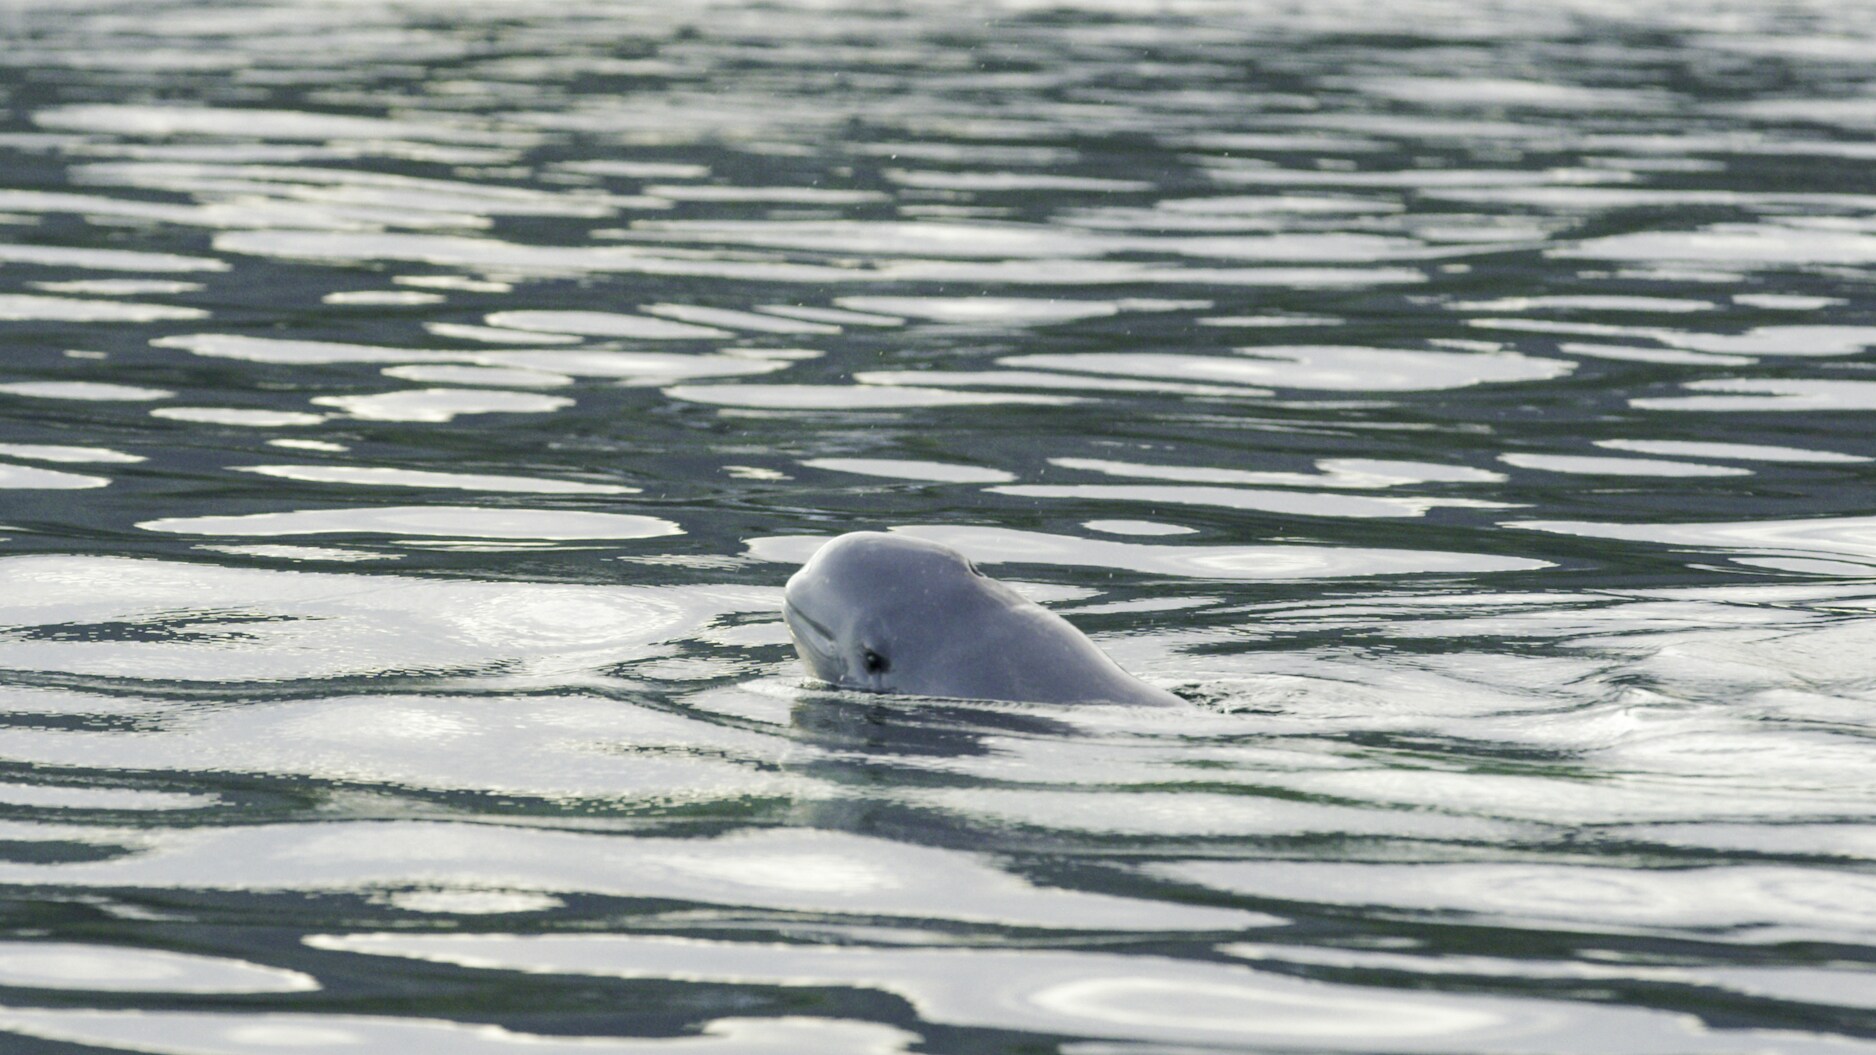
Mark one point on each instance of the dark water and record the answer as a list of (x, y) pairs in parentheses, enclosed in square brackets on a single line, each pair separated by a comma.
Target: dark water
[(411, 412)]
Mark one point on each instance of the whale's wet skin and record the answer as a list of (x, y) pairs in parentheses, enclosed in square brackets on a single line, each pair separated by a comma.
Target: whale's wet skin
[(882, 613), (412, 415)]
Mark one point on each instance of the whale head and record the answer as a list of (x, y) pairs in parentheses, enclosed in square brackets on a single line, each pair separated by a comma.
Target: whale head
[(887, 613)]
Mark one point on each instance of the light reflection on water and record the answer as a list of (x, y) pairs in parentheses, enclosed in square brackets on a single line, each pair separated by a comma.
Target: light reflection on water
[(404, 440)]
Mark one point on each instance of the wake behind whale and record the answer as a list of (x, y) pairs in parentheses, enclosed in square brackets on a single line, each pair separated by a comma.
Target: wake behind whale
[(885, 613)]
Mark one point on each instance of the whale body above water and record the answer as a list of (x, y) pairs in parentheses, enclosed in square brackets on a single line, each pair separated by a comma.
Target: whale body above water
[(887, 613)]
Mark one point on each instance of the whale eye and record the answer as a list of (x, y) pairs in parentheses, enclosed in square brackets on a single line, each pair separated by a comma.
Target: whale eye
[(874, 662)]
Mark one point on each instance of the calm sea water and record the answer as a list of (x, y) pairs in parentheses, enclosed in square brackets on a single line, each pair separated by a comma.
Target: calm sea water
[(411, 411)]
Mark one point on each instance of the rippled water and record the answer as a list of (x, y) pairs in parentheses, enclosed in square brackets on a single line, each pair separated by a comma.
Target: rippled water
[(411, 412)]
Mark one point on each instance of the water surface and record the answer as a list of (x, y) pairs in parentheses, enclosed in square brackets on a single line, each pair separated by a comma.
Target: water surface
[(411, 413)]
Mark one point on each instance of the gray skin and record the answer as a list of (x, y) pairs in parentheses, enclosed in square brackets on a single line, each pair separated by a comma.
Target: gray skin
[(886, 613)]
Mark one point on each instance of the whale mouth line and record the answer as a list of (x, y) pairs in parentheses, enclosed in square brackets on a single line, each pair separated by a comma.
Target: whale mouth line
[(808, 631)]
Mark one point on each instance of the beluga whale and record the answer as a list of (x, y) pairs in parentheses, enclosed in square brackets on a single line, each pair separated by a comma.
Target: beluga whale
[(892, 614)]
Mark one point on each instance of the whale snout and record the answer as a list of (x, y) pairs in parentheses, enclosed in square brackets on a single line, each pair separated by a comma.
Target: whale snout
[(814, 642)]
